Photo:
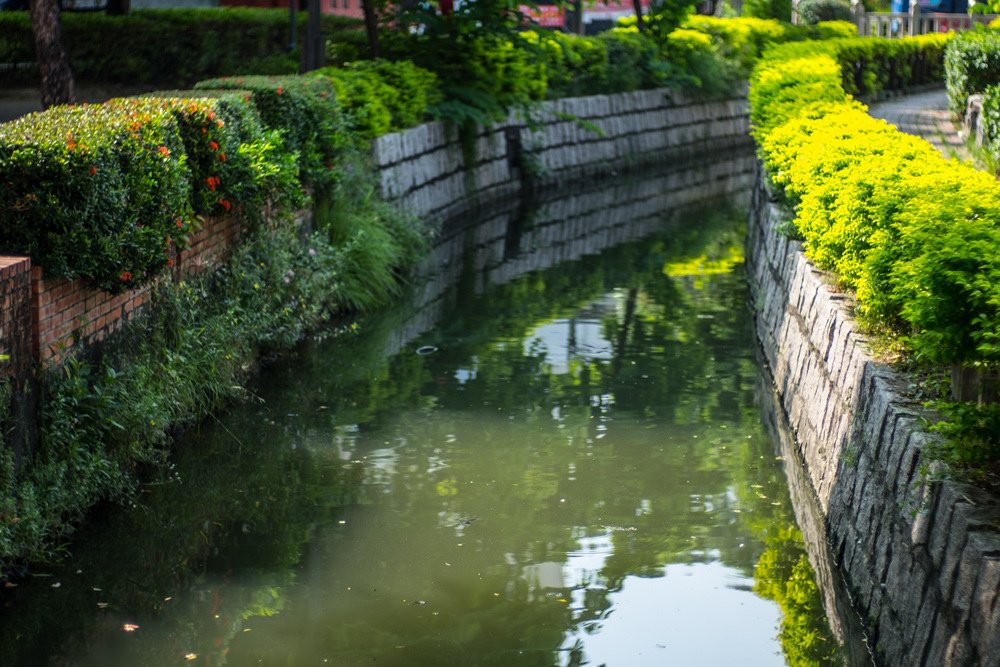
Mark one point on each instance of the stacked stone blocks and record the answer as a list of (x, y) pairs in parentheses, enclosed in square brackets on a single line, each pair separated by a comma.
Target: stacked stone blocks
[(424, 168), (921, 556)]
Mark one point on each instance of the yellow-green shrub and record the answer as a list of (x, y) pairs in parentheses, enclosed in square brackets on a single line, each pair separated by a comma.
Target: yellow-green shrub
[(574, 65), (740, 39), (916, 236)]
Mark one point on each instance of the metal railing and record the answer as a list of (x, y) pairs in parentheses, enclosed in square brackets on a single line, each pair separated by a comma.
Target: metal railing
[(872, 24)]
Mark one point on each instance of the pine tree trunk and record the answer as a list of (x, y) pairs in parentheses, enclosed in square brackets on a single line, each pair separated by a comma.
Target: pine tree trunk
[(119, 7), (53, 65), (637, 6), (371, 28)]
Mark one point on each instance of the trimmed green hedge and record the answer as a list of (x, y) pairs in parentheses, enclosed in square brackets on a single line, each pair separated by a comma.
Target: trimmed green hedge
[(382, 96), (304, 109), (972, 61), (241, 140), (916, 236), (174, 47), (94, 191), (106, 192), (990, 120)]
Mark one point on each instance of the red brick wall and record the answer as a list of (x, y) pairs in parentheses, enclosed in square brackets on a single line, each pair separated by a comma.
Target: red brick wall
[(66, 313), (210, 245), (41, 319)]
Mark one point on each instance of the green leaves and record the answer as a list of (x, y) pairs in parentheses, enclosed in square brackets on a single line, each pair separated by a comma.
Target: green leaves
[(916, 236), (972, 62), (93, 191)]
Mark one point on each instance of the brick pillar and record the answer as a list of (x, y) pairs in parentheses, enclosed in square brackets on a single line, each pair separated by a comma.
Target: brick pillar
[(16, 324)]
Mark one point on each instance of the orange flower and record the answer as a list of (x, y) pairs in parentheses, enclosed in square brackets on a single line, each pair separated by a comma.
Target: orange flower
[(164, 151), (93, 170), (225, 204), (280, 90), (179, 223), (125, 276), (214, 146), (222, 157), (170, 262)]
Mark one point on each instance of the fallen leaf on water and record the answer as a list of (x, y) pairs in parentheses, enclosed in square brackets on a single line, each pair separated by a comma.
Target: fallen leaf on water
[(9, 584), (102, 605), (56, 585), (129, 627), (191, 656)]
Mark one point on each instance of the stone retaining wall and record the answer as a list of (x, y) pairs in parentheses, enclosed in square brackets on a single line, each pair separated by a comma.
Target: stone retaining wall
[(921, 559), (515, 237), (423, 168)]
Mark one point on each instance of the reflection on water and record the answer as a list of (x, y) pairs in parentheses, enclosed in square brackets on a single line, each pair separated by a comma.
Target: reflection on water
[(572, 471)]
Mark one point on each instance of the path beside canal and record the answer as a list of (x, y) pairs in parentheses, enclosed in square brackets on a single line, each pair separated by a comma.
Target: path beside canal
[(926, 115)]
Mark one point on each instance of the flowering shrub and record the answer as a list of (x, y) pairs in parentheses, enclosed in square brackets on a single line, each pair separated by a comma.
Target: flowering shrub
[(94, 191), (211, 130), (303, 108)]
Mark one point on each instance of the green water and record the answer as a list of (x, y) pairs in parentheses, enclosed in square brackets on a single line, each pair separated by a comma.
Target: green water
[(522, 466)]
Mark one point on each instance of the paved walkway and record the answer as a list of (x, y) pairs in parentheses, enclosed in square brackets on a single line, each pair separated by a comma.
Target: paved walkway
[(925, 115)]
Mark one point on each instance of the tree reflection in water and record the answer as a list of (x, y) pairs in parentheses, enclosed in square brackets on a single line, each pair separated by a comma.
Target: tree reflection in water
[(576, 431)]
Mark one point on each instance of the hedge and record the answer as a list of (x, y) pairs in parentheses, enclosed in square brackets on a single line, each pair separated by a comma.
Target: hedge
[(108, 192), (916, 236), (173, 47), (972, 62), (96, 191), (304, 109), (382, 96), (159, 162), (990, 119)]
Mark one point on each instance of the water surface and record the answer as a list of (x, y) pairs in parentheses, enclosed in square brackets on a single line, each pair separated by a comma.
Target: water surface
[(553, 455)]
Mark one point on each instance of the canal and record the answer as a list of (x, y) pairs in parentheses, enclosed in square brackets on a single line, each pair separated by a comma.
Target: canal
[(555, 451)]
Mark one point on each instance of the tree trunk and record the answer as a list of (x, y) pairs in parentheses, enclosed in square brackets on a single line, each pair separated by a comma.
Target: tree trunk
[(53, 65), (637, 5), (371, 28), (627, 319), (314, 47), (119, 7), (574, 18)]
